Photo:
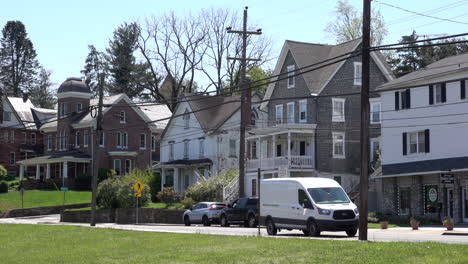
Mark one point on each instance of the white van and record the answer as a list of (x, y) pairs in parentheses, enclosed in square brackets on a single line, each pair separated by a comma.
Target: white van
[(309, 204)]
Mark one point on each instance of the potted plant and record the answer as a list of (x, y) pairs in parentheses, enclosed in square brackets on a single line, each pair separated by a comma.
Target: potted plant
[(448, 223), (383, 221), (414, 222)]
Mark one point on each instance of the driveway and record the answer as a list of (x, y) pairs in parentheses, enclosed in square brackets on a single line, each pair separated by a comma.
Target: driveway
[(435, 234)]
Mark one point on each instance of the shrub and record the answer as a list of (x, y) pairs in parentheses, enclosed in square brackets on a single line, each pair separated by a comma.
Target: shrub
[(105, 173), (107, 193), (212, 188), (155, 186), (187, 202), (167, 195), (83, 181), (3, 172), (119, 193), (3, 187)]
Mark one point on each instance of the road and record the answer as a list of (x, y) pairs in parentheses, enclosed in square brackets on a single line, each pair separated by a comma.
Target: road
[(434, 234)]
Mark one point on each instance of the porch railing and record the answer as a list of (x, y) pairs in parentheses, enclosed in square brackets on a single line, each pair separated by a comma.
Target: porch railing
[(276, 162)]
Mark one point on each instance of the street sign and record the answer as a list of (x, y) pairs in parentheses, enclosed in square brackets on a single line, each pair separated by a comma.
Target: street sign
[(64, 189), (138, 186), (137, 194), (447, 178)]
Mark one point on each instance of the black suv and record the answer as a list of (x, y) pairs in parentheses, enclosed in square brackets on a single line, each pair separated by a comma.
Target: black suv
[(241, 211)]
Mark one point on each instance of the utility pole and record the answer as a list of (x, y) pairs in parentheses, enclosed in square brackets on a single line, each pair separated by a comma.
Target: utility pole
[(97, 139), (246, 95), (364, 180)]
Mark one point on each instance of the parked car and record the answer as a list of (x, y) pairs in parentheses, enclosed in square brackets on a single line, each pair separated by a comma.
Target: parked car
[(241, 211), (204, 213), (308, 204)]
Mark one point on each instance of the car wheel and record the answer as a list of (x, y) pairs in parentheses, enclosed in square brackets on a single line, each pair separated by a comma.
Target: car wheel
[(312, 228), (187, 220), (251, 221), (206, 221), (271, 228), (223, 221), (351, 232)]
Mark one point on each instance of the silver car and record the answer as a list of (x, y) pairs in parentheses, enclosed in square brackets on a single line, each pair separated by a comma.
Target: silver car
[(204, 213)]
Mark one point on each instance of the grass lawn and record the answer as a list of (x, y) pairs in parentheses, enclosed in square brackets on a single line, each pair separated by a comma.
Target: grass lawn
[(34, 198), (165, 205), (71, 244)]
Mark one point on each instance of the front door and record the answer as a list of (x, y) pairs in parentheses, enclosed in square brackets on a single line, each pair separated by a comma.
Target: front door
[(465, 204), (450, 202)]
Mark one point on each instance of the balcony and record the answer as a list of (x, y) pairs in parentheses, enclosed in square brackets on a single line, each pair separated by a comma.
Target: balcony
[(296, 162)]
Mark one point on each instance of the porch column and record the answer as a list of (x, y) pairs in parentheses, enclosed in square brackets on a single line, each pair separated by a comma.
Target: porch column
[(38, 171), (65, 172), (21, 172), (289, 148), (273, 149), (259, 148), (163, 177), (176, 179), (48, 171)]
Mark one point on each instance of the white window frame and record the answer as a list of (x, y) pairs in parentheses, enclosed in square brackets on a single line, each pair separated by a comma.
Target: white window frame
[(201, 147), (372, 112), (124, 140), (77, 139), (371, 145), (144, 141), (24, 138), (79, 107), (289, 113), (303, 104), (85, 138), (418, 149), (122, 117), (290, 69), (279, 118), (357, 73), (12, 136), (335, 116), (186, 149), (336, 141), (49, 142), (171, 150), (117, 161), (6, 116)]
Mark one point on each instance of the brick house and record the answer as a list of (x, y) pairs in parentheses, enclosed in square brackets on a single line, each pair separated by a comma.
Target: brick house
[(20, 137), (130, 135)]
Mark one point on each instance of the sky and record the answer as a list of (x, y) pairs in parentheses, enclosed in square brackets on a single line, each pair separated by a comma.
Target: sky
[(62, 30)]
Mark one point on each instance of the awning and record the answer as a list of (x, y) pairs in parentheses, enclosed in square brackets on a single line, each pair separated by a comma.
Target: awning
[(184, 163), (61, 156)]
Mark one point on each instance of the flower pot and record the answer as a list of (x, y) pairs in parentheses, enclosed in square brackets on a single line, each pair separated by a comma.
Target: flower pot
[(449, 226), (383, 224), (414, 225)]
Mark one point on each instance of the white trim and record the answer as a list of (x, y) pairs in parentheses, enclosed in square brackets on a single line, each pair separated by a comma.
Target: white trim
[(371, 143), (303, 102), (387, 73), (85, 138), (276, 114), (357, 76), (371, 112), (336, 118), (123, 153), (288, 119), (291, 71), (47, 159), (139, 141), (337, 156), (74, 94)]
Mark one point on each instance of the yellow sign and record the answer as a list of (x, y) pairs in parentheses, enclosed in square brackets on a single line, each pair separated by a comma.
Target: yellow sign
[(138, 186), (137, 194)]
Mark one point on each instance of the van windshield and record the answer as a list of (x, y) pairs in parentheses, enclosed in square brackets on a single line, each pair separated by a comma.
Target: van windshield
[(329, 195)]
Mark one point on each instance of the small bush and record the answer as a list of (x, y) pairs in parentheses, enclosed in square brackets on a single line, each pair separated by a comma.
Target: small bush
[(167, 195), (3, 187), (119, 193), (212, 188), (155, 185), (105, 174), (3, 172), (107, 194), (187, 202)]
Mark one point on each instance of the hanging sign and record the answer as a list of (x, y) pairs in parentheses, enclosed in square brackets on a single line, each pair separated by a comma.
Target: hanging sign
[(447, 178)]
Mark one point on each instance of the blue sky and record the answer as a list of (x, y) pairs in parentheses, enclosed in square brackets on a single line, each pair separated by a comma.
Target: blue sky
[(61, 30)]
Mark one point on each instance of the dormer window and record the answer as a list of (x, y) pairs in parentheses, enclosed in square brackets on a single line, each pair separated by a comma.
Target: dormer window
[(186, 118), (79, 107), (122, 117), (291, 78)]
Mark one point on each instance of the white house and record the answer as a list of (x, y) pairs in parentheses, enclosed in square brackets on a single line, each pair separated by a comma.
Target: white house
[(201, 139), (424, 142)]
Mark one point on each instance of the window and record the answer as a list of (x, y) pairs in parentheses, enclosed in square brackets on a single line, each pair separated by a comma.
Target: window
[(6, 116), (5, 136), (252, 119), (77, 139), (302, 197), (23, 137), (290, 109), (12, 136), (278, 150), (338, 106), (253, 150), (254, 187), (404, 200), (49, 142), (12, 158), (291, 78), (417, 142), (117, 167), (403, 99), (122, 117), (186, 118), (437, 93), (186, 149), (463, 91), (119, 139), (128, 166), (124, 140), (375, 112), (171, 150), (232, 148), (102, 139), (374, 149), (61, 109), (202, 147), (279, 114), (153, 143), (142, 141), (302, 148), (338, 145), (33, 138), (85, 139), (79, 107), (357, 73), (303, 111)]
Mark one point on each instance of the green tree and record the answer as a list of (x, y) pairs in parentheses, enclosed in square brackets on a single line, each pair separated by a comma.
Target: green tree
[(95, 65), (347, 24), (41, 93), (255, 73), (18, 64)]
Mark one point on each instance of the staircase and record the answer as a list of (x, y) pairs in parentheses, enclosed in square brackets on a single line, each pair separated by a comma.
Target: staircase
[(231, 191)]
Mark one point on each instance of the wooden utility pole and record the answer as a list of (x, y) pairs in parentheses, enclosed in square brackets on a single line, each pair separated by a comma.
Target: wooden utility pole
[(97, 139), (364, 181), (246, 95)]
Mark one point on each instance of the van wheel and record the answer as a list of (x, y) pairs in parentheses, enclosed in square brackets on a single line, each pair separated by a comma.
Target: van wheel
[(351, 232), (206, 221), (223, 221), (312, 228), (187, 221), (271, 228), (251, 221)]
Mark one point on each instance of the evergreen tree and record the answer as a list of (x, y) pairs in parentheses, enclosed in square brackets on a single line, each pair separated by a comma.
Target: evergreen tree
[(18, 64), (41, 94), (95, 64)]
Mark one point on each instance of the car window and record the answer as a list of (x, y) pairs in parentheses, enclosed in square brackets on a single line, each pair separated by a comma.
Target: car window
[(196, 206), (235, 204), (302, 197), (252, 202), (202, 206)]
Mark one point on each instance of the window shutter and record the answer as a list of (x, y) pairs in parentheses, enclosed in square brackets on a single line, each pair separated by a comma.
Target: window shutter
[(397, 101), (462, 89), (427, 140), (431, 94), (404, 144), (444, 93), (408, 98)]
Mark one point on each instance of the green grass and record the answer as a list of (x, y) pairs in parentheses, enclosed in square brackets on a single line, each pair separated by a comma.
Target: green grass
[(34, 198), (72, 244), (165, 205)]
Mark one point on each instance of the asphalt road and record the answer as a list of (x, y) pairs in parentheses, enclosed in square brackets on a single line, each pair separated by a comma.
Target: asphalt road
[(434, 234)]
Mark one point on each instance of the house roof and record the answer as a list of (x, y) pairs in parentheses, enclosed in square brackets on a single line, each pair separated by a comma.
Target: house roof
[(31, 117), (74, 84), (433, 72), (156, 112)]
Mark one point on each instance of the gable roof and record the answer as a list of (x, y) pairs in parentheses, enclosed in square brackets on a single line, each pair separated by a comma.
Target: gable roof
[(432, 73), (30, 117), (305, 54)]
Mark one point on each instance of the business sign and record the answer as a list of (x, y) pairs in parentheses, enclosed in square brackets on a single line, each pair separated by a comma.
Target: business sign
[(447, 178), (432, 194)]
